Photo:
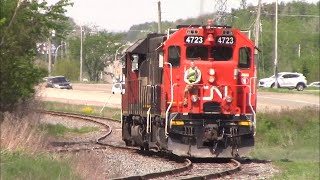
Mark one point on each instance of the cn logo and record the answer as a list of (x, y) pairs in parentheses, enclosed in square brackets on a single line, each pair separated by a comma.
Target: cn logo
[(244, 79)]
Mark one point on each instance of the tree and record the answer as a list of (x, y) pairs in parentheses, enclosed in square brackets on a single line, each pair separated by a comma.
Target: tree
[(99, 49), (67, 68), (22, 24)]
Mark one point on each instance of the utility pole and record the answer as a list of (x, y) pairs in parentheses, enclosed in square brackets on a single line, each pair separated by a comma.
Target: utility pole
[(49, 56), (159, 17), (52, 34), (276, 48), (80, 78), (257, 29)]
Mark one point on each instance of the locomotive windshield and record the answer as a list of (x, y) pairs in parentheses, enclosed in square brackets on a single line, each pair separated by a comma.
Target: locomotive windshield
[(220, 53), (197, 52), (174, 56)]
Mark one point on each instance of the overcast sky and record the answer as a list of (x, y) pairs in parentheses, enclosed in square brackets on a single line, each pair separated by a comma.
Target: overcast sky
[(120, 15)]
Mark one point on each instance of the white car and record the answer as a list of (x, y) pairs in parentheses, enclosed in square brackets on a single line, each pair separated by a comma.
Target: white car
[(118, 88), (285, 80), (314, 84)]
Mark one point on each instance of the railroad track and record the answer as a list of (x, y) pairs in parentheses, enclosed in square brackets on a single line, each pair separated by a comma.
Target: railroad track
[(190, 169)]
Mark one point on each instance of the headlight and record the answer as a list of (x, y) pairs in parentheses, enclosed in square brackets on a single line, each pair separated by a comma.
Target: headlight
[(229, 99), (212, 72), (194, 98)]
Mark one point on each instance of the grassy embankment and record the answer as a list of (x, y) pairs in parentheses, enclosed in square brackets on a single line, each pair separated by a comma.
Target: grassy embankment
[(22, 151), (24, 155), (290, 138)]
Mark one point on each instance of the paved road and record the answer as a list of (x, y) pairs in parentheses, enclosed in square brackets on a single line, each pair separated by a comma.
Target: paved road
[(100, 94), (273, 101)]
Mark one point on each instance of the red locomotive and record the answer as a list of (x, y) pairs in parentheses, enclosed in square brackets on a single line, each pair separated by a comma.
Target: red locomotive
[(191, 91)]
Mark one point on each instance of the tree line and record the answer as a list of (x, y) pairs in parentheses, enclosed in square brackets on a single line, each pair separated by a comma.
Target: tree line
[(298, 34)]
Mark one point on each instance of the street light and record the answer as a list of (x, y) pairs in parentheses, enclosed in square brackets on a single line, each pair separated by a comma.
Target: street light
[(276, 48), (56, 53)]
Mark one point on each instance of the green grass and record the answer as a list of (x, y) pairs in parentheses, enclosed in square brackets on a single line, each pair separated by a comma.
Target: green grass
[(60, 130), (297, 170), (112, 113), (290, 139), (17, 165)]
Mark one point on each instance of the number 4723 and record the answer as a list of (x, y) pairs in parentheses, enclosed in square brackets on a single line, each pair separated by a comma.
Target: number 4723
[(225, 40)]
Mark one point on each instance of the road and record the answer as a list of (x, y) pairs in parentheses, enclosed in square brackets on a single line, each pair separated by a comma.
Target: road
[(100, 94)]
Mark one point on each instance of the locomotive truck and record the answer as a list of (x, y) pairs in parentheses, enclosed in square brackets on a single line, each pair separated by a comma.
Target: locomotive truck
[(219, 118)]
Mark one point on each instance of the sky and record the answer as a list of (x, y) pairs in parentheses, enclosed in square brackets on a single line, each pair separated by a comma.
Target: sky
[(120, 15)]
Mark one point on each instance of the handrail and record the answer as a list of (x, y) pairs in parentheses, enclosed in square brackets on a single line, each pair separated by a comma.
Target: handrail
[(148, 120), (254, 113), (167, 111)]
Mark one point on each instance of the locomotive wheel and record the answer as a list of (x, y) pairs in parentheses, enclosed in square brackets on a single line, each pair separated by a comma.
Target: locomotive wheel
[(161, 138), (235, 142), (145, 147), (137, 135), (128, 142)]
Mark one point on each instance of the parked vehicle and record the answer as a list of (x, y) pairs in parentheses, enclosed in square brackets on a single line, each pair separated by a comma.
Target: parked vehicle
[(59, 82), (314, 84), (118, 88), (285, 80)]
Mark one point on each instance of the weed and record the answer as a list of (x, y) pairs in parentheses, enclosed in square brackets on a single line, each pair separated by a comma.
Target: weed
[(87, 110)]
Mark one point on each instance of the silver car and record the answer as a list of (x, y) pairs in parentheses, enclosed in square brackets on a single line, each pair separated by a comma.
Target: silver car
[(59, 82), (285, 80)]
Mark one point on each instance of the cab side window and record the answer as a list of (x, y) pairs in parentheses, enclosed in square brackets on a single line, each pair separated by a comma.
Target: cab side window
[(244, 57), (174, 55)]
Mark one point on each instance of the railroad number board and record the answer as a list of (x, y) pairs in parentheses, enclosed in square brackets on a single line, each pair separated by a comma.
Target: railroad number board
[(193, 39), (227, 40)]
